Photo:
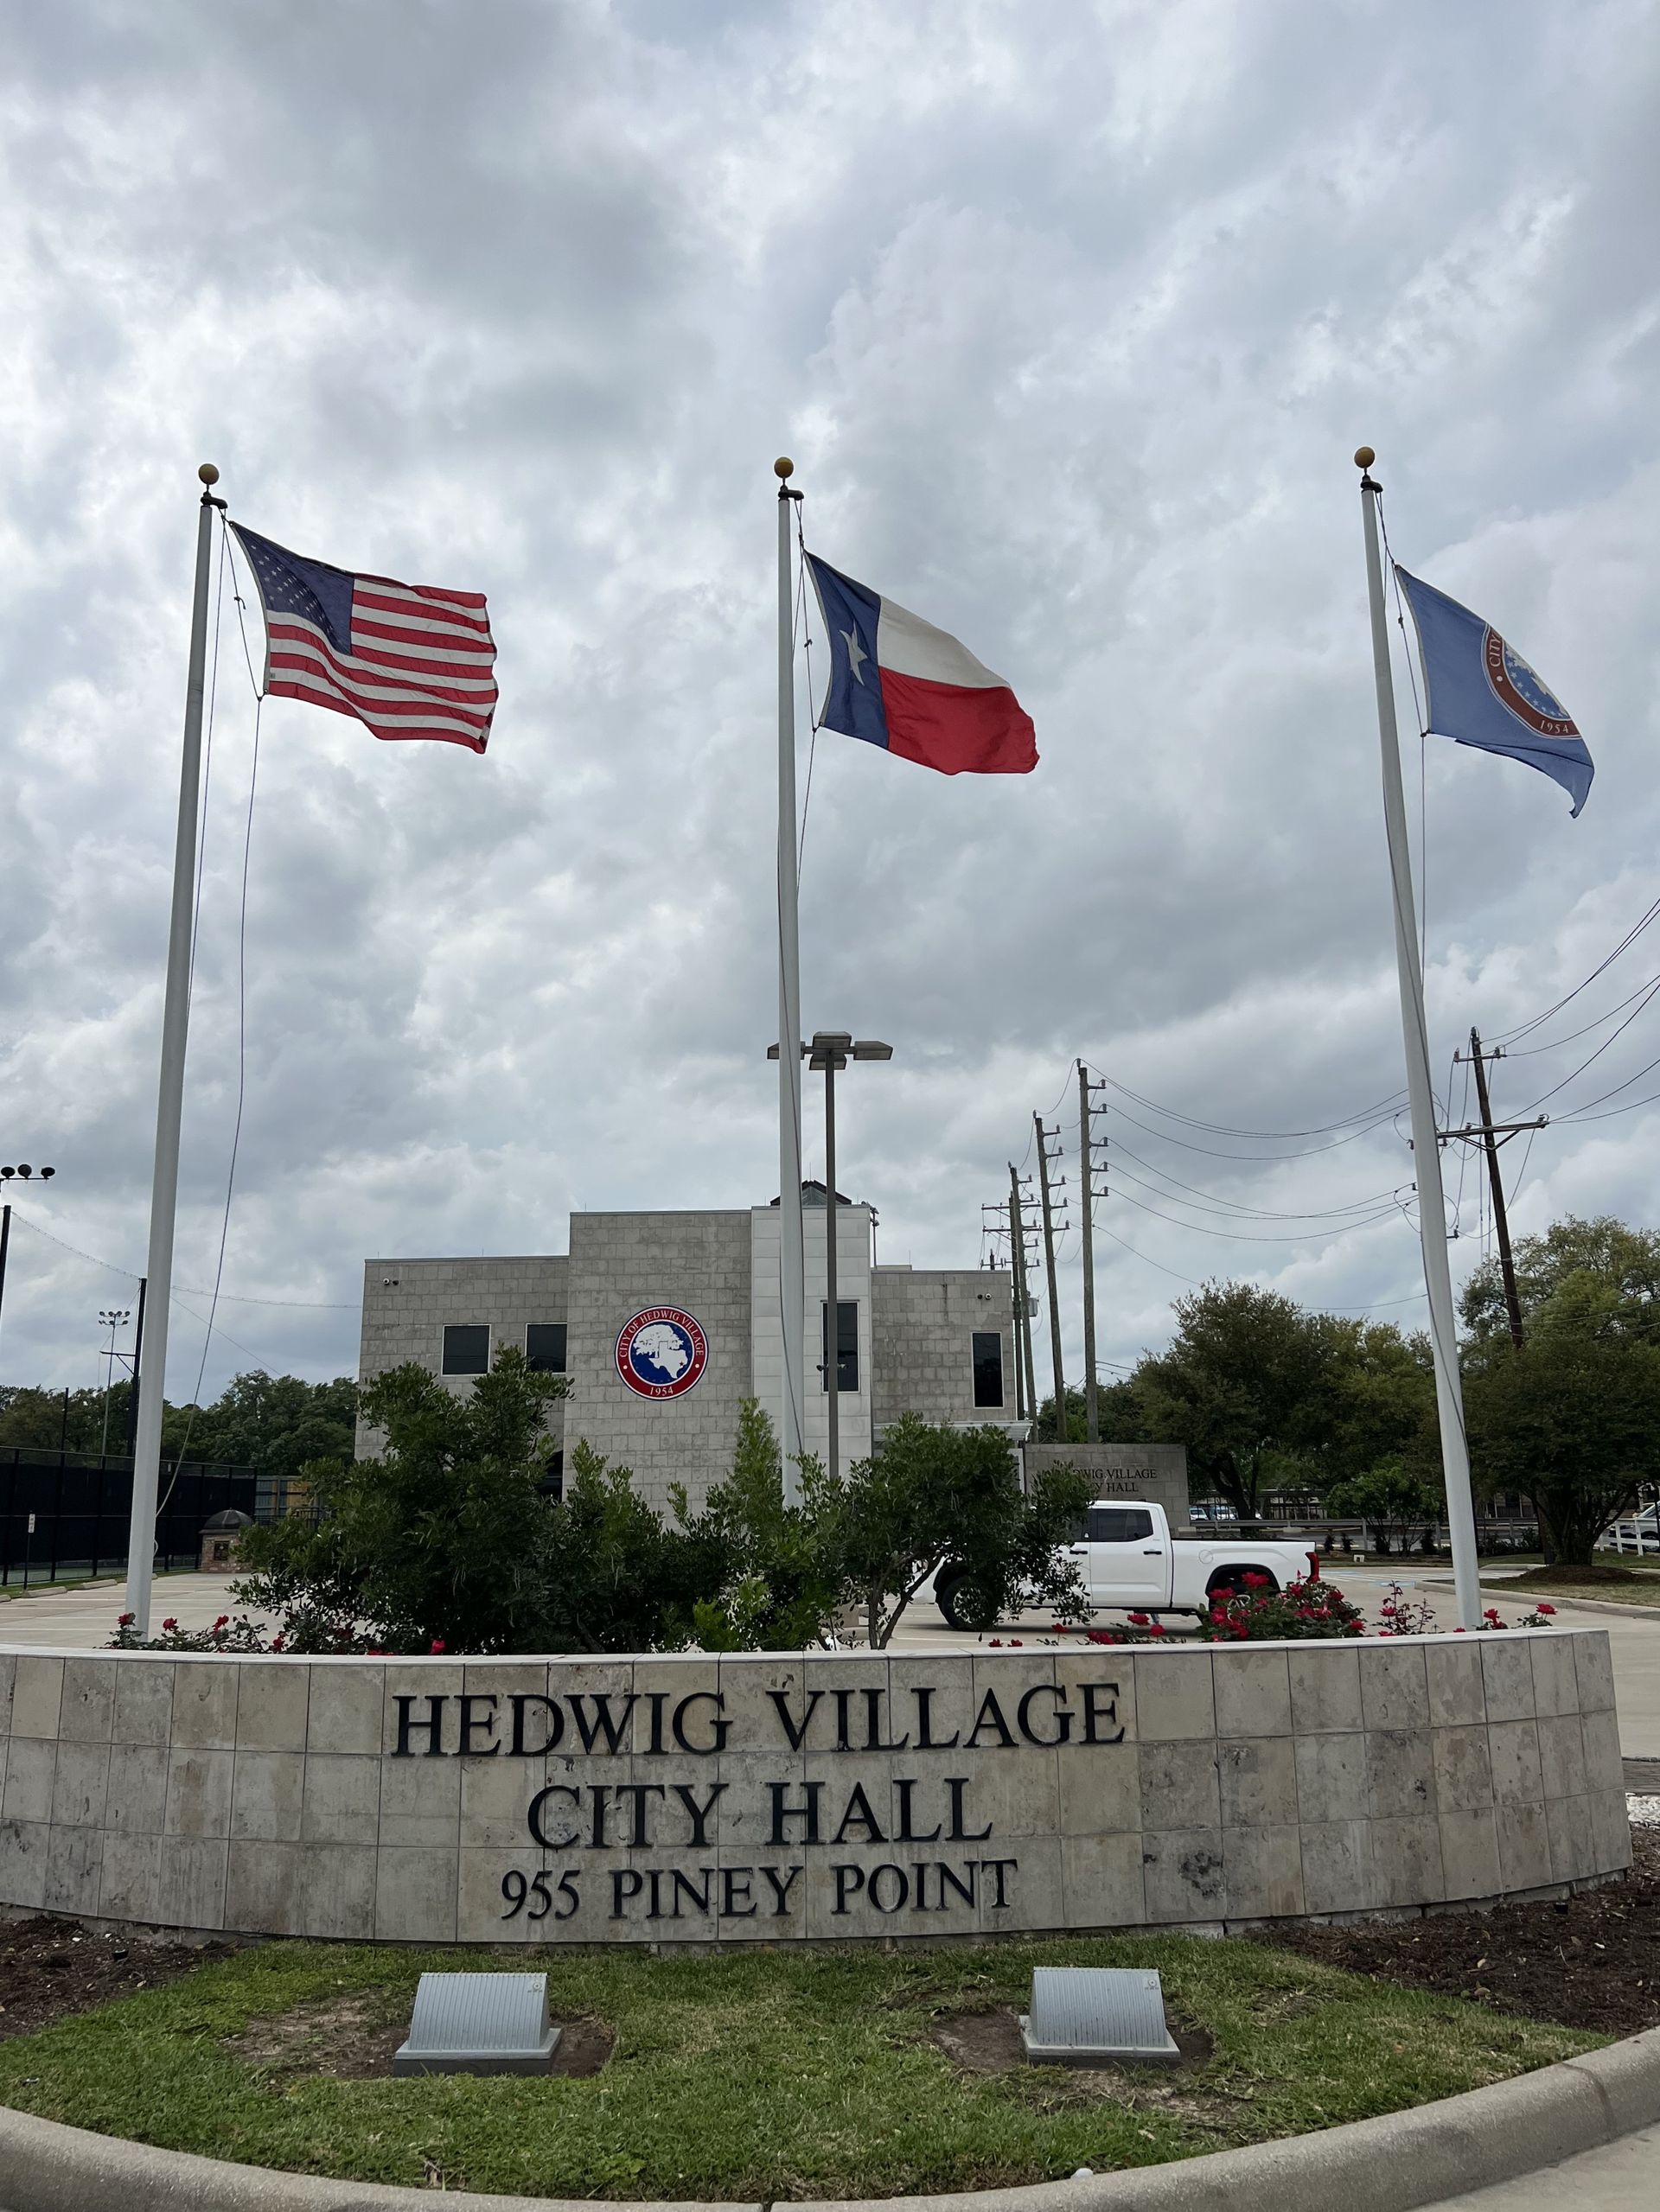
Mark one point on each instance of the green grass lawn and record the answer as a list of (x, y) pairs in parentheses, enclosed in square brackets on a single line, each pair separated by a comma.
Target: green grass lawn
[(783, 2074)]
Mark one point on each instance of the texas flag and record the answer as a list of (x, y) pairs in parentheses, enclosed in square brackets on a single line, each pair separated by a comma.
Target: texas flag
[(897, 682)]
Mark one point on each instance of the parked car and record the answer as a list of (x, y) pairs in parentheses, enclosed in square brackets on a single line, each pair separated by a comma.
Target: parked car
[(1129, 1560)]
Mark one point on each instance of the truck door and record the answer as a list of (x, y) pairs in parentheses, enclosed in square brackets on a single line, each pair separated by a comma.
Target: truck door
[(1125, 1561)]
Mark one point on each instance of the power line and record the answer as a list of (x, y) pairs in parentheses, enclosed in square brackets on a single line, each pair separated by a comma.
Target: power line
[(1267, 1136), (306, 1305), (1525, 1029)]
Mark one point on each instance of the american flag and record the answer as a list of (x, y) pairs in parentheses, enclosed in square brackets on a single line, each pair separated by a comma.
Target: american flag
[(410, 660)]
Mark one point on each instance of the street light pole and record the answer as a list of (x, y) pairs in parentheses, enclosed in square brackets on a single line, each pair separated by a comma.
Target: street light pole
[(829, 1053)]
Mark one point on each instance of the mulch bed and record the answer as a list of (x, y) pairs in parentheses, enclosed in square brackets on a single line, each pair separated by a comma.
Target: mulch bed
[(1588, 1961), (49, 1968)]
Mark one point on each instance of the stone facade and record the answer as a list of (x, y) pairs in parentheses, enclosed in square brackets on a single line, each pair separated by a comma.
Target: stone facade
[(916, 1332), (958, 1792)]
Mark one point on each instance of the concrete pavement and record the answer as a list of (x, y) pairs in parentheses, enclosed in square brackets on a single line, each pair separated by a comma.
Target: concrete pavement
[(1622, 2176)]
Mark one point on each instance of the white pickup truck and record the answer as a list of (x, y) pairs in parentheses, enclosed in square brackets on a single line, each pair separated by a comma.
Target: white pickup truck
[(1129, 1561)]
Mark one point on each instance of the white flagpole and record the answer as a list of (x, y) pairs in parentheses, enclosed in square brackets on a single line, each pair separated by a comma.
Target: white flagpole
[(175, 1016), (791, 1263), (1425, 1141)]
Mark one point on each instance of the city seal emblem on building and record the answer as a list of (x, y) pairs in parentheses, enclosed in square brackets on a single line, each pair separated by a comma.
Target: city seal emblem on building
[(661, 1353), (1516, 686)]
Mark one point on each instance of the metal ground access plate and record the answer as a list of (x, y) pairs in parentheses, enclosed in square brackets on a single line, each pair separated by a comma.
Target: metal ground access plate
[(479, 2024), (1082, 2016)]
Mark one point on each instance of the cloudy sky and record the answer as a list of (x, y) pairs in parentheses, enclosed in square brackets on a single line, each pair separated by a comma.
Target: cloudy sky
[(1071, 316)]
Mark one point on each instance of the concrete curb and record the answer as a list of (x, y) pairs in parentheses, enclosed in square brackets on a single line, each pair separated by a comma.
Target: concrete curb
[(1394, 2163), (1512, 1597)]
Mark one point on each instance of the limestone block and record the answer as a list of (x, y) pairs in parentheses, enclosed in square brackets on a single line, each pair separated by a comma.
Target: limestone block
[(199, 1795), (136, 1801), (7, 1682), (130, 1877), (1513, 1750), (1594, 1669), (1174, 1698), (494, 1800), (143, 1700), (1262, 1871), (1573, 1843), (948, 1705), (660, 1688), (1101, 1790), (415, 1895), (1337, 1857), (1101, 1881), (37, 1696), (1469, 1863), (342, 1799), (1464, 1773), (204, 1704), (1401, 1772), (1018, 1792), (1507, 1677), (74, 1868), (1407, 1860), (340, 1888), (25, 1850), (1394, 1686), (1333, 1778), (1030, 1893), (1600, 1734), (1111, 1680), (420, 1800), (1456, 1698), (267, 1795), (1611, 1829), (1523, 1847), (31, 1767), (1179, 1788), (482, 1908), (1253, 1690), (1561, 1756), (1324, 1687), (423, 1679), (271, 1713), (79, 1785), (191, 1891), (1555, 1679), (1183, 1877), (343, 1713), (1259, 1783), (87, 1711), (264, 1884)]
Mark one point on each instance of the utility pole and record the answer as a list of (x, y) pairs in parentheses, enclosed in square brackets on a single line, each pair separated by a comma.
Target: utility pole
[(1022, 1296), (1049, 1269), (1493, 1134), (1087, 1168)]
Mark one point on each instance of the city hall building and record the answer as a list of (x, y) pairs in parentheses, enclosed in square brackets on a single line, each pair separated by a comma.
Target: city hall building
[(664, 1323)]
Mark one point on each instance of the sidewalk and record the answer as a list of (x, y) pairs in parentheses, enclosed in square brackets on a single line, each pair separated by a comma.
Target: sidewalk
[(81, 1615), (1623, 2177)]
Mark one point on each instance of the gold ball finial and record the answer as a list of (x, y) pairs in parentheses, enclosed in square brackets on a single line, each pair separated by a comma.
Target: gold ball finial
[(1365, 456), (207, 473), (783, 468)]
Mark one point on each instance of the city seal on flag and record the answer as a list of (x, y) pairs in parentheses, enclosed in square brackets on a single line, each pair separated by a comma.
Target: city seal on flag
[(1516, 686), (661, 1352)]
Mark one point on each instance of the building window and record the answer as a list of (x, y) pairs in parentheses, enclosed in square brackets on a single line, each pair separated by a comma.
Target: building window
[(467, 1348), (988, 1368), (846, 1346), (544, 1347)]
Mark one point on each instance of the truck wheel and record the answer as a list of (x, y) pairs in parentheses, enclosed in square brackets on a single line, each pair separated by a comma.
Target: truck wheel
[(1226, 1580), (960, 1605)]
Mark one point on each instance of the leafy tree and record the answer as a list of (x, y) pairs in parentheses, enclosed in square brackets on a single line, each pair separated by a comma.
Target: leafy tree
[(782, 1564), (1248, 1380), (1600, 1268), (275, 1424), (936, 1498), (1572, 1419), (447, 1536), (1391, 1499)]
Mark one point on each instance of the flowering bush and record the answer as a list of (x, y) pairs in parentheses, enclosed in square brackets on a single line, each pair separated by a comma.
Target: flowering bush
[(241, 1634), (1257, 1612)]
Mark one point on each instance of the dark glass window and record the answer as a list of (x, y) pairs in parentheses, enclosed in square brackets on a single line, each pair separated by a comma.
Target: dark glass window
[(545, 1347), (1118, 1524), (846, 1345), (467, 1348), (988, 1368), (552, 1483)]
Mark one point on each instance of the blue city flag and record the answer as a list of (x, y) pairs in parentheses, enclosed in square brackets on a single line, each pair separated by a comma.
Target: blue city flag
[(1482, 692)]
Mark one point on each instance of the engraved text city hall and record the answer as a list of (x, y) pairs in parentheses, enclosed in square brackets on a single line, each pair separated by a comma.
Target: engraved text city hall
[(944, 1857)]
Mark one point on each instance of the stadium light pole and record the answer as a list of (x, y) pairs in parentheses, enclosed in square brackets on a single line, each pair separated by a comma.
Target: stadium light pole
[(21, 1173), (114, 1319)]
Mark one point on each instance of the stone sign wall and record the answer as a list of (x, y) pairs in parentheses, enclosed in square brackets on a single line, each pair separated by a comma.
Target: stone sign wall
[(1154, 1472), (965, 1792)]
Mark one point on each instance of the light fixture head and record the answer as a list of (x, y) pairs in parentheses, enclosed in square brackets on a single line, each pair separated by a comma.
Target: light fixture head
[(872, 1048)]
